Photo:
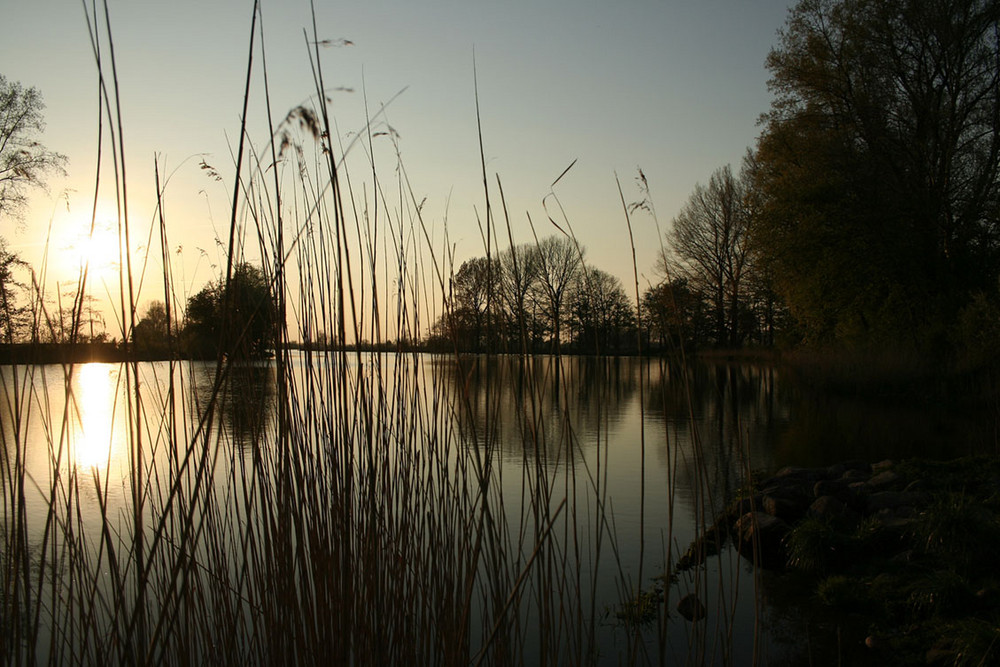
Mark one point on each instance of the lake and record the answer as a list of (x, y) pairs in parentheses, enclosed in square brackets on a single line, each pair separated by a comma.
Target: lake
[(401, 507)]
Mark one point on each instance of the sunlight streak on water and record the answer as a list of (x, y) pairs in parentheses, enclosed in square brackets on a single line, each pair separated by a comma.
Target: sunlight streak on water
[(95, 442)]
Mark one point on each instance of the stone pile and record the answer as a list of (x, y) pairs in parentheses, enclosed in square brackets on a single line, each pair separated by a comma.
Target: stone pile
[(843, 494)]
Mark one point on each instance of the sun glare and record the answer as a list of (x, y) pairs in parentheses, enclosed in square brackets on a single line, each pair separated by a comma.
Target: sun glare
[(96, 250), (95, 391)]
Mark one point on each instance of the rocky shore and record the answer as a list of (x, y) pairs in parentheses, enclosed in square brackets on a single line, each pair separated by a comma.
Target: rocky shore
[(907, 550)]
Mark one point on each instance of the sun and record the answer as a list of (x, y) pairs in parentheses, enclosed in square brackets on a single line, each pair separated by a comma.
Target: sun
[(97, 249)]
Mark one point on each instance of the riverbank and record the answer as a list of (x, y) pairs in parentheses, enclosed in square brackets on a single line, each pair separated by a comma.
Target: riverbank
[(895, 560)]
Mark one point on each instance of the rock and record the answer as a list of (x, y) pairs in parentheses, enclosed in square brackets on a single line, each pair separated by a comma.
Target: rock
[(881, 466), (832, 509), (708, 544), (883, 480), (942, 653), (835, 471), (744, 505), (760, 539), (691, 608), (903, 557), (805, 474), (789, 488), (837, 488), (785, 509), (852, 475), (890, 518)]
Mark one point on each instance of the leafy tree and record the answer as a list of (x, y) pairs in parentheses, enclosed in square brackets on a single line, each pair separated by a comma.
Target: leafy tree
[(237, 319), (879, 164), (24, 161), (150, 336)]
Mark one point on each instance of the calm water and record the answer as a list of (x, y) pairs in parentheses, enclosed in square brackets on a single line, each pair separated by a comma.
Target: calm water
[(660, 447)]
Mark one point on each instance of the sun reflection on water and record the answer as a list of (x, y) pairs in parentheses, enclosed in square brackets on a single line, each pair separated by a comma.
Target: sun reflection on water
[(96, 442)]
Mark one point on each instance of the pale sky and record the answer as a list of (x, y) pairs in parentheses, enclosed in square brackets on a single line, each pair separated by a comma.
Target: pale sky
[(675, 88)]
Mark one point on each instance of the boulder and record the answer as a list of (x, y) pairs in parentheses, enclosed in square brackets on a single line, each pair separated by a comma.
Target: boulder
[(805, 474), (853, 475), (691, 608), (897, 519), (838, 488), (830, 508), (881, 466), (835, 471), (760, 539), (883, 480), (707, 544), (785, 509), (744, 505)]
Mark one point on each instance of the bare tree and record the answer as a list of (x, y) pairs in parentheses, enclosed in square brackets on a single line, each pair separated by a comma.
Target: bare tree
[(559, 263), (24, 162), (711, 246), (519, 269)]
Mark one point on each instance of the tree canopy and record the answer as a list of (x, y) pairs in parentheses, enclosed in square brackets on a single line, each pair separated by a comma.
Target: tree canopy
[(878, 165), (235, 319)]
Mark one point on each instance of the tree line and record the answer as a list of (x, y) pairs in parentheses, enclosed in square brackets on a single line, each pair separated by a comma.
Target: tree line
[(539, 297)]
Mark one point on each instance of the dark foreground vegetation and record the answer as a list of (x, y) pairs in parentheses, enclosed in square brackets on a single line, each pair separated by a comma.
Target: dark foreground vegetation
[(896, 560)]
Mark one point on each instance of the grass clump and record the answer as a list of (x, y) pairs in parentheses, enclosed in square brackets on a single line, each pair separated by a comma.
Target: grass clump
[(817, 547)]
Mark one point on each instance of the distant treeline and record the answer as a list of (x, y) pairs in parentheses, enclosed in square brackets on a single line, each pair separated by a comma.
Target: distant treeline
[(545, 298), (60, 353)]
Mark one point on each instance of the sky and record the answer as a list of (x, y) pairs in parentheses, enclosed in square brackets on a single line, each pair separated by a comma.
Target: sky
[(673, 88)]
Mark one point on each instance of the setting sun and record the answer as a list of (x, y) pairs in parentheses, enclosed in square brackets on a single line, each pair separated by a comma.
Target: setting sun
[(97, 251)]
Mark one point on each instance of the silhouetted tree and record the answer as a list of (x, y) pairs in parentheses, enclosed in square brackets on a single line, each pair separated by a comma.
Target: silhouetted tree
[(674, 314), (10, 313), (473, 298), (559, 264), (879, 164), (710, 244), (601, 317), (519, 273), (237, 319), (150, 336), (24, 161)]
